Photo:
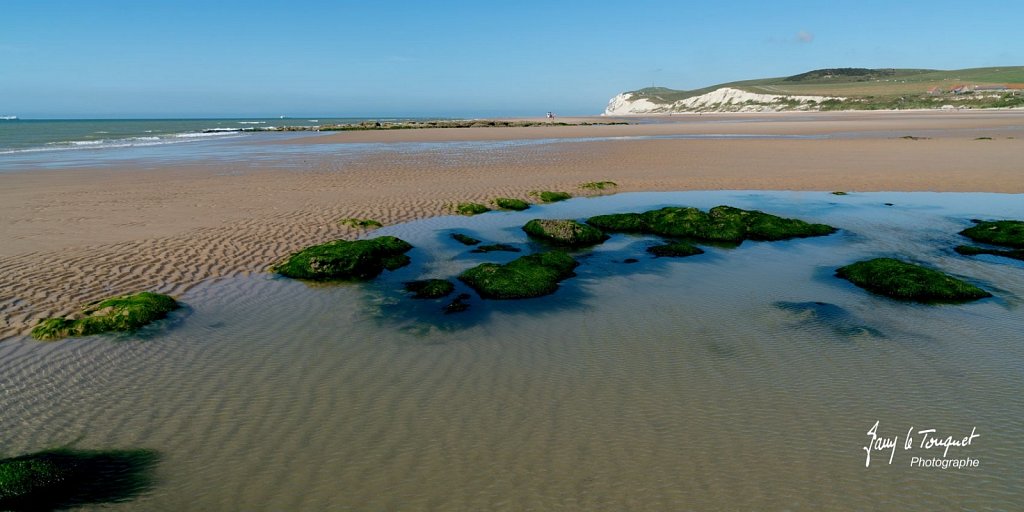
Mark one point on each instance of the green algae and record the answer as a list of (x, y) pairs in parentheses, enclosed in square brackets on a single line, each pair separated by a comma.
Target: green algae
[(548, 196), (675, 249), (64, 478), (465, 239), (495, 248), (564, 232), (972, 250), (1009, 233), (471, 208), (429, 288), (525, 277), (508, 203), (598, 185), (126, 313), (360, 223), (902, 280), (344, 260), (720, 224), (839, 193)]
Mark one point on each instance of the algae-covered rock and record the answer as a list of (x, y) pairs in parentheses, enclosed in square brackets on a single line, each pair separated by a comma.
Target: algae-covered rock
[(495, 248), (720, 224), (529, 276), (902, 280), (360, 223), (471, 208), (465, 239), (620, 223), (1009, 233), (548, 196), (344, 260), (430, 288), (675, 249), (118, 314), (564, 232), (508, 203), (972, 250), (59, 479), (598, 185)]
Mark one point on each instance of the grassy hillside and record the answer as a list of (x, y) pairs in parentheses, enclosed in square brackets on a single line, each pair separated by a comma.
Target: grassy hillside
[(881, 86)]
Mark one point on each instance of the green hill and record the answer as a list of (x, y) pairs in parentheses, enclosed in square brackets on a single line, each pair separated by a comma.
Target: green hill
[(873, 88)]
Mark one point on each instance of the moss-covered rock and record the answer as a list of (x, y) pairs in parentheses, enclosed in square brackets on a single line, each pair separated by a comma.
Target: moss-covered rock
[(471, 208), (59, 479), (548, 196), (675, 249), (118, 314), (972, 250), (1009, 233), (360, 223), (429, 288), (465, 239), (495, 248), (598, 185), (508, 203), (529, 276), (720, 224), (902, 280), (564, 232), (620, 223), (344, 260)]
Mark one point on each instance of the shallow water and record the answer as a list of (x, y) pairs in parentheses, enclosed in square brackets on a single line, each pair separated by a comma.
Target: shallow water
[(668, 384), (260, 150)]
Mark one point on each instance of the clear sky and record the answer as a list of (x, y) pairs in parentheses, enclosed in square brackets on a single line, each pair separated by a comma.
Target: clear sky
[(255, 58)]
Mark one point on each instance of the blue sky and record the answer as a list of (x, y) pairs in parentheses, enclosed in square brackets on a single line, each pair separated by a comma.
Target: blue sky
[(454, 58)]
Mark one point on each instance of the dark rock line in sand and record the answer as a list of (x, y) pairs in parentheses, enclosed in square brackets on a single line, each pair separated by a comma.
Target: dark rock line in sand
[(411, 125)]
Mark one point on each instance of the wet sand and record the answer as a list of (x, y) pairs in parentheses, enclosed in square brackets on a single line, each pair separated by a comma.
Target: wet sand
[(75, 235)]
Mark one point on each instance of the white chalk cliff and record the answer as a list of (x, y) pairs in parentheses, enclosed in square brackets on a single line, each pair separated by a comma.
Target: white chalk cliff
[(726, 99)]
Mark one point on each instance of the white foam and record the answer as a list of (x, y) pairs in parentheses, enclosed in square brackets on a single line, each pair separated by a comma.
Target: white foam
[(122, 143), (212, 132)]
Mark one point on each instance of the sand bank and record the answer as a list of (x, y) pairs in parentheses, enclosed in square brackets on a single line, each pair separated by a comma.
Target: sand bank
[(72, 236)]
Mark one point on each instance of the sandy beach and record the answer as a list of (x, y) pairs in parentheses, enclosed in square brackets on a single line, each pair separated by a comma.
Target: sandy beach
[(71, 236)]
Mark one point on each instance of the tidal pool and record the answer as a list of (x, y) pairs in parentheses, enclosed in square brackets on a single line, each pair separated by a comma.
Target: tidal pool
[(742, 378)]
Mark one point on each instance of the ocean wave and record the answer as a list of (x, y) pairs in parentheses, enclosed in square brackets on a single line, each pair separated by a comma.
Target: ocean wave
[(210, 132), (252, 122), (122, 143)]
